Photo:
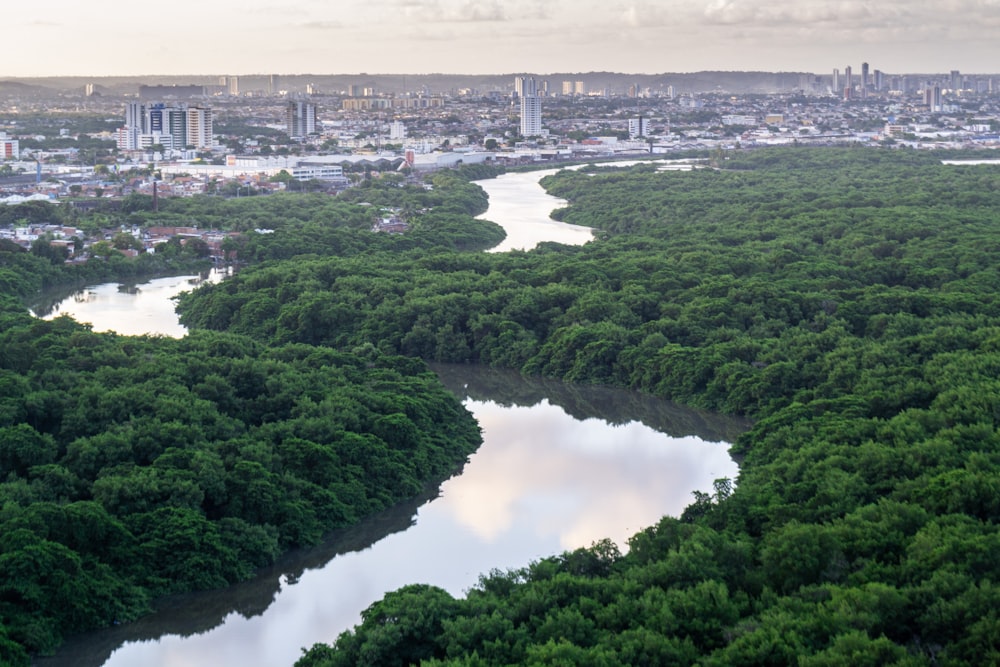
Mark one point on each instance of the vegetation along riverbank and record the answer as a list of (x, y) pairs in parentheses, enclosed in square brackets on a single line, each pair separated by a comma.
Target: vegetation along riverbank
[(846, 299), (132, 467)]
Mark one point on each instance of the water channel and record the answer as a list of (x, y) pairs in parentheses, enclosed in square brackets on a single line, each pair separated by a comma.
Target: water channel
[(561, 467)]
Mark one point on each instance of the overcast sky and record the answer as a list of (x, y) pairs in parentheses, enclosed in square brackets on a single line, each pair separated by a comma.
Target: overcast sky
[(112, 37)]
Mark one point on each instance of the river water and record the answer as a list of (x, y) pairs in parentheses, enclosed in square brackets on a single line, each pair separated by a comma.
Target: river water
[(561, 467), (129, 309), (522, 207)]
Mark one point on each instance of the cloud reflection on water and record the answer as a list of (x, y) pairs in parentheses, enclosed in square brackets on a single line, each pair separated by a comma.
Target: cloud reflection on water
[(579, 481)]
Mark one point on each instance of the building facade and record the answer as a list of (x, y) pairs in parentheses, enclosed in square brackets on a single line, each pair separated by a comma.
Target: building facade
[(300, 119), (9, 148), (199, 127), (168, 125), (531, 107), (638, 127)]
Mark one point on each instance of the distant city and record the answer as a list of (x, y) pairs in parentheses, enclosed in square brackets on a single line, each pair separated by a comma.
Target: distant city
[(79, 139)]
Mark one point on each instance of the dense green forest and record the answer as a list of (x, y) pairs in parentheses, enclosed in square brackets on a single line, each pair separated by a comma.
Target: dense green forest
[(844, 298), (136, 467)]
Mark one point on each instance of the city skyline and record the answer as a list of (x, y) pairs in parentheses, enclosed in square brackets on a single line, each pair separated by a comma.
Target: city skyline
[(68, 38)]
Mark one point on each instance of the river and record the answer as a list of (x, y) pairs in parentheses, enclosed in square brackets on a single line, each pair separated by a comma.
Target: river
[(561, 466), (522, 207), (131, 309)]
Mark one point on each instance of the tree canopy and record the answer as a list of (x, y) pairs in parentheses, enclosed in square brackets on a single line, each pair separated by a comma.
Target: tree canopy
[(845, 299), (136, 467)]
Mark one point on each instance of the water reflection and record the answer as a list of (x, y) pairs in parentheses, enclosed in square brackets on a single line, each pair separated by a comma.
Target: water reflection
[(582, 402), (522, 207), (544, 481), (130, 309), (196, 613)]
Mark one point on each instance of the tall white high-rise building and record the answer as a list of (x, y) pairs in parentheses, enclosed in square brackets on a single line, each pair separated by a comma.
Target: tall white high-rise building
[(199, 127), (300, 119), (397, 131), (519, 86), (531, 107), (638, 127), (128, 134)]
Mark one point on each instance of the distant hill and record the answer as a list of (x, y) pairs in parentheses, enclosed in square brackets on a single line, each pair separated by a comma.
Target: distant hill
[(8, 87), (616, 83)]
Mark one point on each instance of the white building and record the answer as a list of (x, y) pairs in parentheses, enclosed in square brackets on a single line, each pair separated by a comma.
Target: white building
[(638, 127), (9, 148), (149, 140), (199, 127), (186, 126), (531, 108), (397, 131)]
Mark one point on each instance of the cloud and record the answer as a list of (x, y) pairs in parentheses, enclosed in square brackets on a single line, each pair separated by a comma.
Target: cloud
[(448, 11), (321, 25), (853, 13), (646, 15), (849, 14)]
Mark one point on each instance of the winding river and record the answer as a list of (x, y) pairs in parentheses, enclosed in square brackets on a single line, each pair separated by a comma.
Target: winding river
[(561, 467)]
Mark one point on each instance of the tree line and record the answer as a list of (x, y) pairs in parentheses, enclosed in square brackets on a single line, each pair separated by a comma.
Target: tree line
[(844, 298)]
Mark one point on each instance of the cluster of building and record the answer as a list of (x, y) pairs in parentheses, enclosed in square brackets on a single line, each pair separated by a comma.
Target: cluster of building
[(178, 139), (167, 126), (932, 89), (77, 243)]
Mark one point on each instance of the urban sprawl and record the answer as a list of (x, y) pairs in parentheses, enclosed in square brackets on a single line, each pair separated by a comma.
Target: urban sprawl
[(83, 142)]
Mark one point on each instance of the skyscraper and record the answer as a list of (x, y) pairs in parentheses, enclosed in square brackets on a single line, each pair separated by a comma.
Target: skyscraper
[(170, 126), (519, 86), (175, 124), (638, 127), (128, 135), (531, 108), (932, 97), (300, 119), (864, 76), (199, 127)]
